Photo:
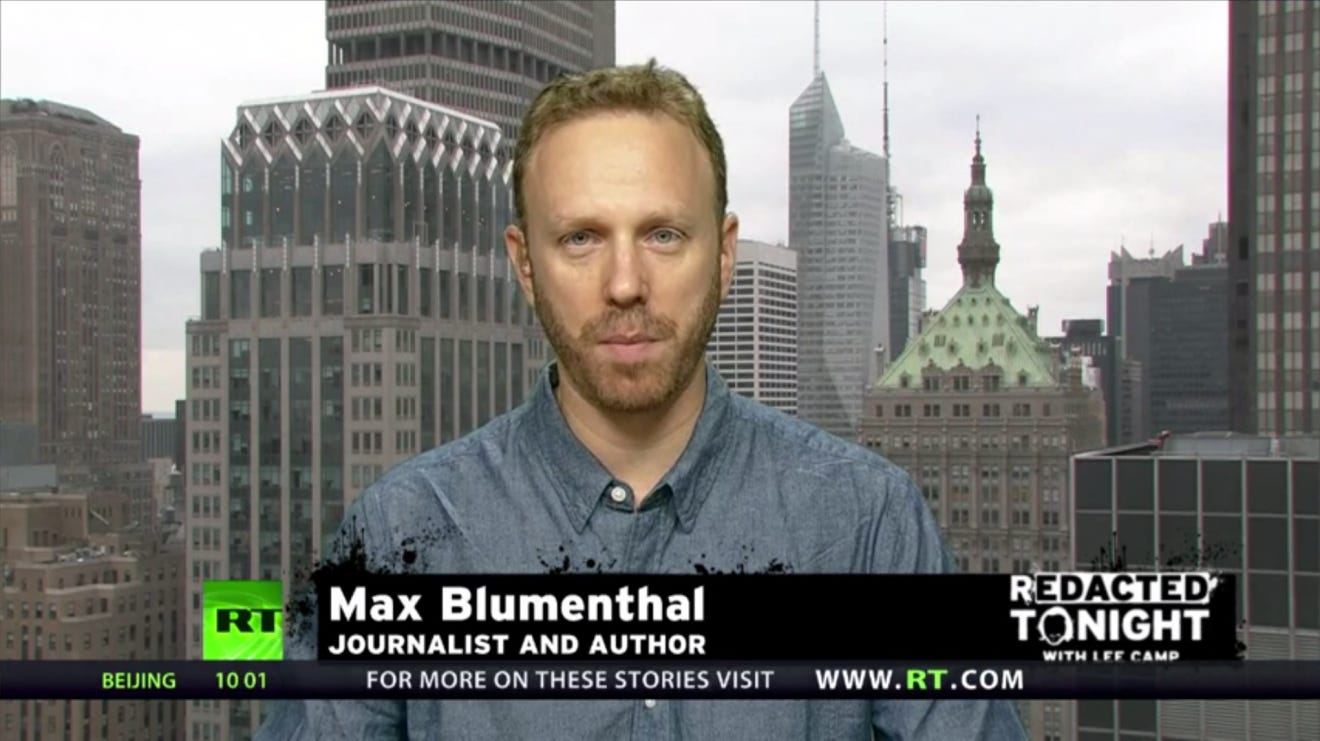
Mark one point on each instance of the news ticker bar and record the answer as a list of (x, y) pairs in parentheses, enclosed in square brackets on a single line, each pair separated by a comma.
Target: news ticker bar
[(295, 680)]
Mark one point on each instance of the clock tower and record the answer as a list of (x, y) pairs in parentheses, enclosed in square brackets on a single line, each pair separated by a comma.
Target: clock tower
[(978, 253)]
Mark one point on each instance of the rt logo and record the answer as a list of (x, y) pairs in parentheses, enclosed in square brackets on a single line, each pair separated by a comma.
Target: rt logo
[(233, 618), (242, 620)]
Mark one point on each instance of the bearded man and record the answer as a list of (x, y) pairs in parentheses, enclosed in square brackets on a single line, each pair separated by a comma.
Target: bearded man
[(631, 455)]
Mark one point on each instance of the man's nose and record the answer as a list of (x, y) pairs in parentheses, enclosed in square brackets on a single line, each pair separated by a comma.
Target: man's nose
[(626, 281)]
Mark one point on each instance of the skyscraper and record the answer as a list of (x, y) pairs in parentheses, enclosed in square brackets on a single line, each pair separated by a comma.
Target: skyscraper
[(1168, 318), (1245, 505), (159, 436), (754, 344), (982, 415), (487, 59), (360, 311), (1214, 248), (838, 225), (907, 289), (70, 293), (1274, 216)]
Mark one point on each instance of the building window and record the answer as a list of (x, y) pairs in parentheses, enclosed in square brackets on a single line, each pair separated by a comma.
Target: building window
[(8, 176), (270, 292), (240, 294), (366, 289), (301, 288)]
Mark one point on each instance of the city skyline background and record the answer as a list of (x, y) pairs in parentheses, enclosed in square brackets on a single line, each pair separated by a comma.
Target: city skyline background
[(1102, 122)]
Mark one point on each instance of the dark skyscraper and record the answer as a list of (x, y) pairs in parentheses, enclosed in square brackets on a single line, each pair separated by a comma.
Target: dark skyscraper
[(488, 59), (1274, 216), (907, 289), (1169, 318), (159, 437), (907, 248), (70, 292)]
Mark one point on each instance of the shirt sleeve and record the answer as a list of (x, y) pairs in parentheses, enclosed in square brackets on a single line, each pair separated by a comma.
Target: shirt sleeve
[(908, 541), (313, 720)]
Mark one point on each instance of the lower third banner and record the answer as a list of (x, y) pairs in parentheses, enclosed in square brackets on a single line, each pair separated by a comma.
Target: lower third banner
[(293, 680)]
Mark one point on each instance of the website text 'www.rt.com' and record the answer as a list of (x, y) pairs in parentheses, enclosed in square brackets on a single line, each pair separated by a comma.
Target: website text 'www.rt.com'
[(885, 680)]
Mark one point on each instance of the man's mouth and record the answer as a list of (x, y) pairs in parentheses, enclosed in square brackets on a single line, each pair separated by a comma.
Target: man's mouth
[(629, 347), (627, 338)]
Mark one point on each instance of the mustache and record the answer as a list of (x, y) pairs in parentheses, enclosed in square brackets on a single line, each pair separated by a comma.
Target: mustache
[(636, 320)]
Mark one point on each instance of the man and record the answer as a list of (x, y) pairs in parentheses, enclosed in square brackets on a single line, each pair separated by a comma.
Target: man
[(631, 455)]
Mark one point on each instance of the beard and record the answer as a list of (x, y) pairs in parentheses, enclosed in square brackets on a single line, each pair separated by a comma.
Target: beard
[(642, 386)]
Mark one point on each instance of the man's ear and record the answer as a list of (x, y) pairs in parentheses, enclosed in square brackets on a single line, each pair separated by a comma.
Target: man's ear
[(728, 252), (515, 243)]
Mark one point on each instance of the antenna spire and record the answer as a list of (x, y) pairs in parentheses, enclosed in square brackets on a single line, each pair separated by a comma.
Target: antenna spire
[(815, 48), (885, 43), (889, 187)]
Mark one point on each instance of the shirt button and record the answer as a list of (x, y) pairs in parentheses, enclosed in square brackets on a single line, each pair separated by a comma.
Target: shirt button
[(618, 494), (649, 703)]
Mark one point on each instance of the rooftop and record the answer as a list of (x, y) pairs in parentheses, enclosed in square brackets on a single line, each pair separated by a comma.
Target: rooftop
[(381, 93), (38, 108), (977, 328), (1217, 445), (28, 478)]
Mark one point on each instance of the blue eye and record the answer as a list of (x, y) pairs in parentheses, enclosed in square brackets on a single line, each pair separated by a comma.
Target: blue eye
[(578, 239), (666, 236)]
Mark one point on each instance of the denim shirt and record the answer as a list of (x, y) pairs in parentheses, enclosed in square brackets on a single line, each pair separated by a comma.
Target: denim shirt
[(754, 490)]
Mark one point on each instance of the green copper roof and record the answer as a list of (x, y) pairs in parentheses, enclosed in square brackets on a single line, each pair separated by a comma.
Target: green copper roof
[(977, 328)]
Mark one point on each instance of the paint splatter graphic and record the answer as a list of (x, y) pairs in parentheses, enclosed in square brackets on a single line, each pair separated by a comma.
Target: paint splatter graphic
[(748, 563), (1189, 555), (349, 559), (774, 566)]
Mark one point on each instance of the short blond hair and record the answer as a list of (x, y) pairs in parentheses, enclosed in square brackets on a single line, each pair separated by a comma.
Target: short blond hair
[(644, 88)]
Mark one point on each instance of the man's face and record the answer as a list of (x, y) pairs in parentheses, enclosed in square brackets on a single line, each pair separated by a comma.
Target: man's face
[(624, 257)]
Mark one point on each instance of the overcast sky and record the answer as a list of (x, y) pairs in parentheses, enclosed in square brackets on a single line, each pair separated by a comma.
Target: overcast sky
[(1101, 122)]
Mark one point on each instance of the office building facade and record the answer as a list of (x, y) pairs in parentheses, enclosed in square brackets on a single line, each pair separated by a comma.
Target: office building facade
[(1274, 215), (1214, 248), (907, 287), (360, 311), (1169, 318), (983, 416), (76, 588), (1082, 338), (486, 59), (70, 292), (1246, 505), (754, 344), (159, 437), (838, 224)]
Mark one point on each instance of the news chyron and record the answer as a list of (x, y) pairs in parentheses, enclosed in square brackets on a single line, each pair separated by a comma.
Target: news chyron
[(243, 621)]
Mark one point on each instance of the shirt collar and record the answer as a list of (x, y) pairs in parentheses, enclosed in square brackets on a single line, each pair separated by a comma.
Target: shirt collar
[(581, 480)]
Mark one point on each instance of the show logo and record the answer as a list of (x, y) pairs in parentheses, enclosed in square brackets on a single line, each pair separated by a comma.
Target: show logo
[(1104, 616)]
